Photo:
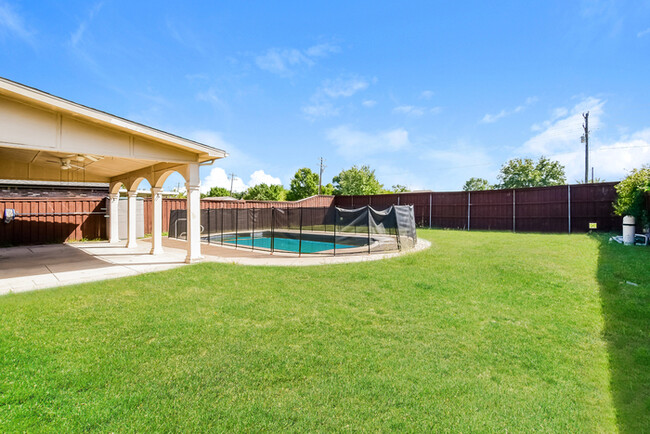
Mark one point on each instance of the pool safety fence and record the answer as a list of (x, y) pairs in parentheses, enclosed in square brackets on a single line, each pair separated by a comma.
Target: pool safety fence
[(323, 231)]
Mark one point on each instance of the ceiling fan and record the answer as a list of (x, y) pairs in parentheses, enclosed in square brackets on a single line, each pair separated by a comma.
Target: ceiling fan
[(81, 157), (66, 164)]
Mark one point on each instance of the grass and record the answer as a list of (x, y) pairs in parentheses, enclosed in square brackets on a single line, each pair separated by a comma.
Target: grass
[(483, 332)]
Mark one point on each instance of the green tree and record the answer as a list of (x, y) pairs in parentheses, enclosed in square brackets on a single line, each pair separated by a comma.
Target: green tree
[(217, 192), (357, 180), (476, 184), (303, 184), (399, 188), (327, 190), (518, 173), (631, 192), (265, 192)]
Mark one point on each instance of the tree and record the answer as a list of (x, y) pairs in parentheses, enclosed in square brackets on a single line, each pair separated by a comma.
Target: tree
[(357, 180), (327, 190), (476, 184), (399, 188), (217, 192), (303, 184), (631, 192), (265, 192), (518, 173)]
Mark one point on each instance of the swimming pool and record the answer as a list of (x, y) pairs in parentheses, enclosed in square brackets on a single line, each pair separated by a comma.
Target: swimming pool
[(286, 244)]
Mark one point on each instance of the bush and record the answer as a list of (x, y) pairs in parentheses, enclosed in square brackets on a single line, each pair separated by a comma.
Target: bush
[(631, 195)]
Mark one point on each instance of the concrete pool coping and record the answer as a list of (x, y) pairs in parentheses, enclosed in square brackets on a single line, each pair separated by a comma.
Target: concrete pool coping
[(28, 268)]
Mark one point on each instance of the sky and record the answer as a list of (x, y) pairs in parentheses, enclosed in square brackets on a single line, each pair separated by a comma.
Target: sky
[(427, 93)]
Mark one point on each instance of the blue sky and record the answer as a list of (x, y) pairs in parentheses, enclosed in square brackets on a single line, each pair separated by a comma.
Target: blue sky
[(427, 93)]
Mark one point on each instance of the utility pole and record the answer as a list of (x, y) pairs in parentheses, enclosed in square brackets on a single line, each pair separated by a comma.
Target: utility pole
[(232, 180), (320, 176), (585, 139)]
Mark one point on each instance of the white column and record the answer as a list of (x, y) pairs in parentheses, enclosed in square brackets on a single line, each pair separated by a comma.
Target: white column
[(131, 220), (156, 223), (193, 214), (113, 218)]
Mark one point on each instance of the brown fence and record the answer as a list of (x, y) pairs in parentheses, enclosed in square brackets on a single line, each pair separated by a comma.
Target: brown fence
[(47, 220), (544, 209), (566, 208)]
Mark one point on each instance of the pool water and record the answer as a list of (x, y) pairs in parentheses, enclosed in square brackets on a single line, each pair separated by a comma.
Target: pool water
[(287, 244)]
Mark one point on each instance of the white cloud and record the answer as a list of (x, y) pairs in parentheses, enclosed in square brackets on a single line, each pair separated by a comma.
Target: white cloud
[(560, 140), (409, 110), (322, 50), (320, 110), (563, 132), (643, 33), (219, 178), (259, 177), (210, 96), (353, 144), (12, 23), (342, 87), (283, 61), (491, 118), (611, 161), (77, 35), (321, 102), (280, 60), (426, 94), (369, 103)]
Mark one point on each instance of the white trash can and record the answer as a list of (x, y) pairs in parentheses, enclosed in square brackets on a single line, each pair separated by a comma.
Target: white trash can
[(629, 225)]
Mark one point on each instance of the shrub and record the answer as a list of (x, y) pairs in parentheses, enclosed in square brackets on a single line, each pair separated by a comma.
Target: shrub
[(631, 195)]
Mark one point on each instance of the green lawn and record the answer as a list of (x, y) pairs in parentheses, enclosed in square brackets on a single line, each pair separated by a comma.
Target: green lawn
[(483, 332)]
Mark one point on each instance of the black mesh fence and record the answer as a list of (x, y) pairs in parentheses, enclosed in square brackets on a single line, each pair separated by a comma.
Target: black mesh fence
[(324, 231)]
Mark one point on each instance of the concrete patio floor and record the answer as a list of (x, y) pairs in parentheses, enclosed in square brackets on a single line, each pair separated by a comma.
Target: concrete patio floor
[(28, 268)]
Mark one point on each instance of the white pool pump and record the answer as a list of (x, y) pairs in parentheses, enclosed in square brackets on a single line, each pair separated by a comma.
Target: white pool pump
[(629, 225)]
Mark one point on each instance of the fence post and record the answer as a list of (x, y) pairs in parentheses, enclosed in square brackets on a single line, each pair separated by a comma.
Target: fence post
[(208, 225), (513, 211), (236, 226), (253, 230), (368, 210), (222, 226), (569, 205), (336, 220), (430, 206), (469, 204), (300, 240), (272, 229)]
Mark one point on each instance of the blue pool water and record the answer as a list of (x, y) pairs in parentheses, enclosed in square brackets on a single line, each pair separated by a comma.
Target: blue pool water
[(287, 244)]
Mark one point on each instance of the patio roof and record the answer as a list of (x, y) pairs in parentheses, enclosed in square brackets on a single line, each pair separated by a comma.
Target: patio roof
[(48, 138)]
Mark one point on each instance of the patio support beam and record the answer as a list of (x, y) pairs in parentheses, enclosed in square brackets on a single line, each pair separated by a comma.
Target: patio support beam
[(193, 213), (156, 223), (131, 220), (113, 218)]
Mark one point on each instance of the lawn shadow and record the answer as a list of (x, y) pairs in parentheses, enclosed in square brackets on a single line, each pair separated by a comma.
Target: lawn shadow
[(624, 280)]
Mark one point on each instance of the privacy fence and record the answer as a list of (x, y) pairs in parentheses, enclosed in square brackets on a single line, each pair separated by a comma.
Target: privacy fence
[(560, 209), (304, 230), (49, 220), (566, 208)]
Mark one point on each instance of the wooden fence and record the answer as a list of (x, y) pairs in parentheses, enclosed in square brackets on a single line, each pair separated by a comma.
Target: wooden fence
[(48, 220), (544, 209), (566, 208)]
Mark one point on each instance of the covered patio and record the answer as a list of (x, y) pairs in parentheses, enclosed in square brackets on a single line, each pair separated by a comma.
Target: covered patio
[(47, 138)]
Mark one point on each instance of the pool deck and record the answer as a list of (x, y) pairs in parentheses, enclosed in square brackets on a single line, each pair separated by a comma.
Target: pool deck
[(28, 268)]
